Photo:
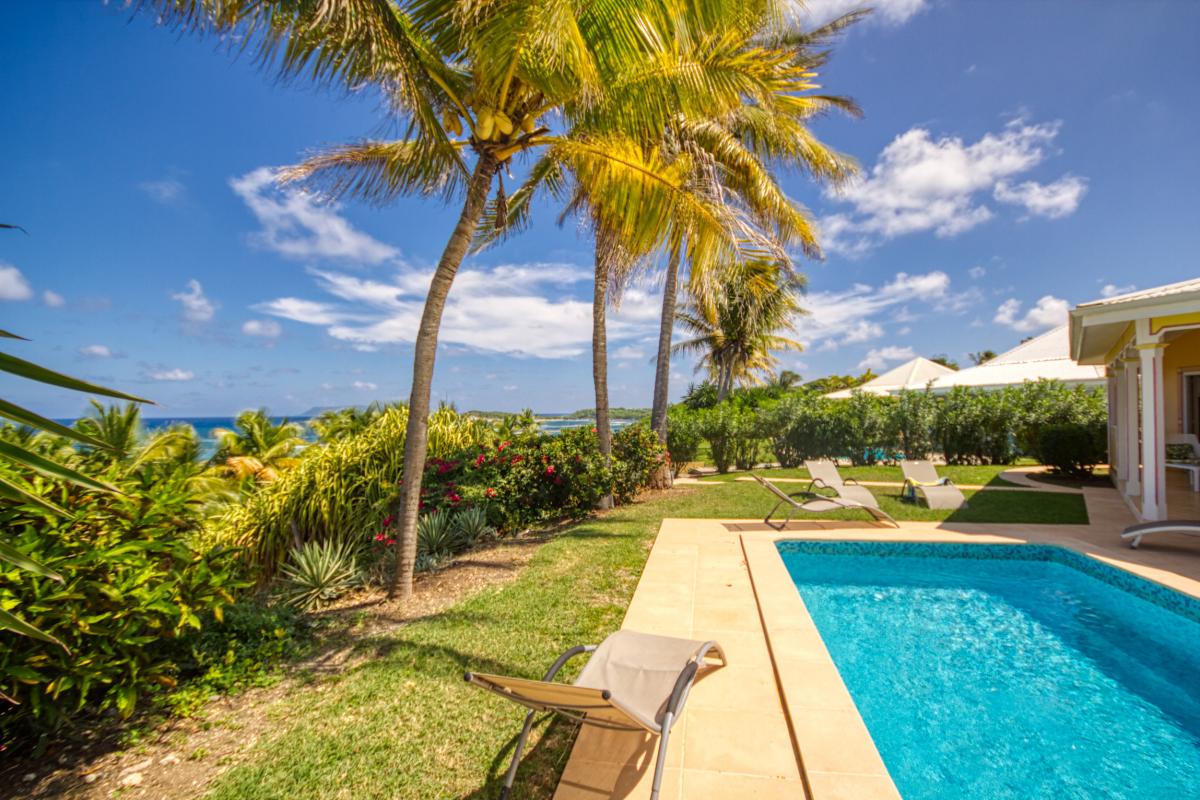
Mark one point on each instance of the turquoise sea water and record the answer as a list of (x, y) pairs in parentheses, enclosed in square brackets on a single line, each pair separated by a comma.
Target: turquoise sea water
[(1006, 677)]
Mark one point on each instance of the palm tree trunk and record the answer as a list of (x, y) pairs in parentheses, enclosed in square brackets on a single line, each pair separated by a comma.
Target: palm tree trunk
[(424, 352), (600, 357), (662, 370)]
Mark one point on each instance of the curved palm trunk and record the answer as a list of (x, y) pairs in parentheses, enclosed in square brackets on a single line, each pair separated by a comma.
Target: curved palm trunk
[(424, 352), (600, 358), (662, 369)]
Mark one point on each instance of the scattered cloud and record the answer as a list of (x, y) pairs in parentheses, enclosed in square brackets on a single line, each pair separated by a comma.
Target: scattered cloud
[(13, 285), (862, 331), (1047, 313), (629, 353), (297, 224), (53, 299), (977, 272), (196, 307), (877, 359), (889, 12), (172, 375), (95, 351), (520, 309), (1051, 200), (266, 328), (167, 191), (920, 183), (365, 386), (1112, 290)]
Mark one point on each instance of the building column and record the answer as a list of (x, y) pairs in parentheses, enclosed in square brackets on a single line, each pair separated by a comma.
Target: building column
[(1118, 462), (1154, 478), (1129, 429)]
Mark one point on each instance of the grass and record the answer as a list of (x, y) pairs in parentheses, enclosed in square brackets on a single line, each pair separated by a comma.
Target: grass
[(404, 725), (988, 475)]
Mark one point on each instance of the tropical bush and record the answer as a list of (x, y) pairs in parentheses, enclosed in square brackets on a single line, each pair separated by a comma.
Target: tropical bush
[(319, 573), (471, 526), (801, 427), (1041, 404), (683, 436), (864, 428), (734, 432), (437, 537), (637, 454), (1072, 449), (912, 423)]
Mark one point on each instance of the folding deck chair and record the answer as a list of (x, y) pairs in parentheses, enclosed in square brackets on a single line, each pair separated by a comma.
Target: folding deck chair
[(825, 475), (816, 504), (633, 681), (1134, 533), (921, 479)]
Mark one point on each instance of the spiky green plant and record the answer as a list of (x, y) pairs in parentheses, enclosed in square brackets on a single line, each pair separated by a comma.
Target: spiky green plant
[(318, 573), (437, 536), (471, 525)]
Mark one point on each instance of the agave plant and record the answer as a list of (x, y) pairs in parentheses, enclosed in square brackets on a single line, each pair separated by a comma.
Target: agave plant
[(471, 526), (318, 573), (437, 536)]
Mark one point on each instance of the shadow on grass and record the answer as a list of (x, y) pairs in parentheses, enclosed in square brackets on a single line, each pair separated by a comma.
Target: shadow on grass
[(541, 765)]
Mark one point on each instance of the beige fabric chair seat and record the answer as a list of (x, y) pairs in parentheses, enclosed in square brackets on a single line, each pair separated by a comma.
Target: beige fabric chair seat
[(922, 480), (825, 475), (814, 504)]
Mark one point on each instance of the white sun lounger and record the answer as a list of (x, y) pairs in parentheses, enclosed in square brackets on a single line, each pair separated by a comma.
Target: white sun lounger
[(1134, 533), (815, 504), (825, 475), (632, 682), (921, 480)]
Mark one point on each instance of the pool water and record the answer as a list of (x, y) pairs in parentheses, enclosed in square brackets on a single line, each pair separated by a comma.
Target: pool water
[(1010, 671)]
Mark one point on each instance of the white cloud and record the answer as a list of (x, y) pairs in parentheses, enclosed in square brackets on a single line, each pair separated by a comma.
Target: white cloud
[(924, 184), (525, 309), (862, 331), (268, 329), (877, 359), (1047, 313), (629, 353), (168, 191), (196, 307), (1112, 290), (297, 225), (13, 285), (172, 375), (95, 351), (365, 386), (1051, 200), (891, 12), (977, 272), (53, 299)]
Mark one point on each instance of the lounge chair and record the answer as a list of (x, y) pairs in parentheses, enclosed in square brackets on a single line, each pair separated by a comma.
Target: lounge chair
[(825, 475), (922, 480), (632, 682), (1134, 533), (815, 504)]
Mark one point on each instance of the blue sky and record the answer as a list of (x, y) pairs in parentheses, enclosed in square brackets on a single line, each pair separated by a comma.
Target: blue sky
[(1019, 157)]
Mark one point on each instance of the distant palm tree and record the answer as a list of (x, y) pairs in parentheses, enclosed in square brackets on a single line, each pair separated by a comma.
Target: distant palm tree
[(982, 356), (340, 423), (738, 332), (257, 447)]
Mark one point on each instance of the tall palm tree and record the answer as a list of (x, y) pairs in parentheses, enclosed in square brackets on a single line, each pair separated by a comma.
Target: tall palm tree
[(474, 84), (738, 332), (774, 135), (340, 423), (257, 447)]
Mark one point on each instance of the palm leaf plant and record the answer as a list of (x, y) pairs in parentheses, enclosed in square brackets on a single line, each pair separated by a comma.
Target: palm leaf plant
[(437, 535), (256, 447), (471, 526), (474, 84), (319, 573)]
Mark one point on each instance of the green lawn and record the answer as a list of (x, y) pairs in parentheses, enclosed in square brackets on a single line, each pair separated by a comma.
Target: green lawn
[(404, 725), (966, 475)]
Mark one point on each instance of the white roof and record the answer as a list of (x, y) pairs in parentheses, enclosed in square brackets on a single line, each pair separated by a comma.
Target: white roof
[(1098, 327), (1046, 356), (915, 374), (1156, 293)]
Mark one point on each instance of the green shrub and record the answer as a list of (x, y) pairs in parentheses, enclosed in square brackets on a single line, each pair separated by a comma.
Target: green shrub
[(863, 423), (912, 420), (1041, 404), (319, 573), (1073, 449), (637, 453), (471, 526), (683, 436), (802, 426), (976, 427), (733, 433), (131, 579), (436, 535)]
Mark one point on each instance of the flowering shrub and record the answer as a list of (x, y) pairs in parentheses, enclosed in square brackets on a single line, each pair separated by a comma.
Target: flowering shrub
[(637, 453)]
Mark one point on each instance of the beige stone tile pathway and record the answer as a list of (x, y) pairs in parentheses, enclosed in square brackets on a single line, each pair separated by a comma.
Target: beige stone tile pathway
[(778, 722)]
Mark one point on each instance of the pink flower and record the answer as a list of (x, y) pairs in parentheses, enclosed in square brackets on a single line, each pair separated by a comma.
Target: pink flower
[(550, 469), (379, 537), (502, 445), (490, 492), (453, 498), (387, 523), (479, 461), (391, 542)]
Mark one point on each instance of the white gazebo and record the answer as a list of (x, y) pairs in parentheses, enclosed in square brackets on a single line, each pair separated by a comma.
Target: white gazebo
[(915, 374), (1149, 341), (1045, 357)]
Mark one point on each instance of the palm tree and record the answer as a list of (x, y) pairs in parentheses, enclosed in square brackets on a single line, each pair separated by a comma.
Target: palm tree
[(774, 134), (738, 332), (484, 81), (257, 447), (340, 423)]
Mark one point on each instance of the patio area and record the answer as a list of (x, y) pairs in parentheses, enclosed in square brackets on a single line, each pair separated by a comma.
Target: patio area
[(778, 722)]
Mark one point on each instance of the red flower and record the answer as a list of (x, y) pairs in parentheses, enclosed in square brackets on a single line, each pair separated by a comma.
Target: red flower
[(379, 537), (391, 542), (502, 445), (479, 461), (490, 492), (387, 523), (550, 469)]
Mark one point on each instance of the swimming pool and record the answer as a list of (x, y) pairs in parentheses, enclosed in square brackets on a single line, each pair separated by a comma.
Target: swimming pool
[(1010, 671)]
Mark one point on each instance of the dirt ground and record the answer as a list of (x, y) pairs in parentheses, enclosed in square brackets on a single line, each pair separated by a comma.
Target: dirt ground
[(180, 758)]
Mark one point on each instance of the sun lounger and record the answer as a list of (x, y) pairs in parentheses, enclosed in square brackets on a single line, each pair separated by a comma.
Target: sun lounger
[(632, 682), (1134, 533), (815, 504), (922, 480), (825, 475)]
